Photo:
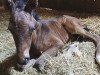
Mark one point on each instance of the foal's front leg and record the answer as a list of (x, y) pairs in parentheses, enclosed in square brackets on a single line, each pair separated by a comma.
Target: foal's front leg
[(41, 61)]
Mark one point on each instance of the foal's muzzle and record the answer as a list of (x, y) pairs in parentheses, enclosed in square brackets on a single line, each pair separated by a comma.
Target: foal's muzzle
[(24, 61), (20, 65)]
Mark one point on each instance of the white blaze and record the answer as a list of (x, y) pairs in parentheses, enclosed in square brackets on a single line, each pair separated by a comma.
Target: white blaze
[(26, 52)]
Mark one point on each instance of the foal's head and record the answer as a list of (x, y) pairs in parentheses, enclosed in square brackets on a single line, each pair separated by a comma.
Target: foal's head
[(21, 26)]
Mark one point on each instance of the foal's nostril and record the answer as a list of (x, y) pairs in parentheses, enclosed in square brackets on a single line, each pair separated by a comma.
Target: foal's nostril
[(27, 60)]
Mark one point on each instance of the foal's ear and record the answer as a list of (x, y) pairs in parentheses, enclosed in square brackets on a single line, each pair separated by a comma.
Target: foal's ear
[(13, 5)]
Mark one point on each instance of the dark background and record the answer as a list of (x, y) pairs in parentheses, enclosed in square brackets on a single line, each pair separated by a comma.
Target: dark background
[(77, 5)]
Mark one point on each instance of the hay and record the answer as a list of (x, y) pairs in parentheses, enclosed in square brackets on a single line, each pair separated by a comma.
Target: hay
[(60, 65)]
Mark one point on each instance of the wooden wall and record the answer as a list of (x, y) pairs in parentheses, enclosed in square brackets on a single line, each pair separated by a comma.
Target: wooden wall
[(79, 5)]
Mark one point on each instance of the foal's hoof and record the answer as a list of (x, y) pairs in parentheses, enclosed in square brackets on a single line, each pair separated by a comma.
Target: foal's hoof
[(38, 67)]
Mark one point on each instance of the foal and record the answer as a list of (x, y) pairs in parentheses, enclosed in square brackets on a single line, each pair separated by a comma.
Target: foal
[(44, 36)]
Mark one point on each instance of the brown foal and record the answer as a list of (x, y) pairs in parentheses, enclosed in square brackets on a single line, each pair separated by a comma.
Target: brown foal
[(44, 37)]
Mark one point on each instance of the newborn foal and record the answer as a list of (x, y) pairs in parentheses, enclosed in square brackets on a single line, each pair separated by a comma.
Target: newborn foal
[(44, 37)]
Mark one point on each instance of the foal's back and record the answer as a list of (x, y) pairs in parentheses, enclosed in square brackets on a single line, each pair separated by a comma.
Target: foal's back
[(48, 34)]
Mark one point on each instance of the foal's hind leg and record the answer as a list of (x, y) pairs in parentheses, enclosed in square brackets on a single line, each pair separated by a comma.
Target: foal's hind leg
[(76, 28), (95, 38)]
